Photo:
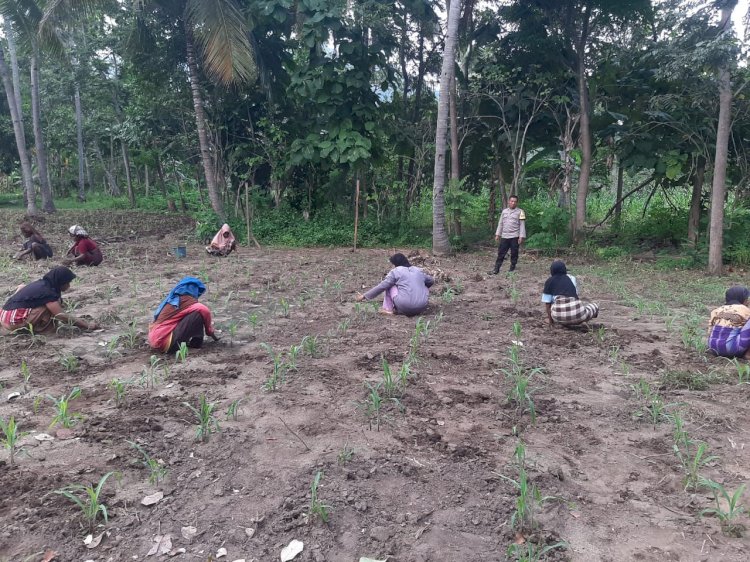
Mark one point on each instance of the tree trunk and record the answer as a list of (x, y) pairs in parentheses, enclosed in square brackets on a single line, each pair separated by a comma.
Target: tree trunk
[(79, 144), (48, 205), (440, 243), (126, 163), (718, 188), (695, 202), (23, 154), (618, 204), (455, 156), (16, 73), (584, 129), (200, 123), (145, 174), (114, 189)]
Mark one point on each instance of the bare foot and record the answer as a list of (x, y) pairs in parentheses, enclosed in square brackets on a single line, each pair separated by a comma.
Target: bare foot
[(384, 311)]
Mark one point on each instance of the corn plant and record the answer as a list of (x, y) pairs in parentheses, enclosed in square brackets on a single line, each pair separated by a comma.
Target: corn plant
[(34, 338), (291, 357), (403, 375), (119, 388), (529, 499), (131, 335), (726, 515), (373, 404), (310, 346), (232, 328), (233, 410), (69, 362), (10, 437), (529, 552), (150, 374), (63, 415), (344, 325), (26, 374), (693, 336), (181, 354), (317, 508), (390, 387), (346, 454), (277, 376), (157, 470), (88, 499), (516, 330), (600, 334), (652, 407), (284, 305), (691, 453), (253, 320), (110, 348), (206, 422), (448, 294), (743, 371)]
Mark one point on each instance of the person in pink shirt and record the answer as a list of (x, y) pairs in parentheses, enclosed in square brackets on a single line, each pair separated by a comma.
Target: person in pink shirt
[(223, 243)]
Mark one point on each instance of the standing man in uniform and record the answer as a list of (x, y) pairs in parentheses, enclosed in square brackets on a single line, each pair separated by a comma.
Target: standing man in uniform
[(511, 232)]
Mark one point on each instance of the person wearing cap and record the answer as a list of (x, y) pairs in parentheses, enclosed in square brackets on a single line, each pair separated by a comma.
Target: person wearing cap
[(84, 250), (511, 232)]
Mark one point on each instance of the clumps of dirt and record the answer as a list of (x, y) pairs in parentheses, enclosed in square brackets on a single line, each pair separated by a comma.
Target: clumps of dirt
[(431, 265)]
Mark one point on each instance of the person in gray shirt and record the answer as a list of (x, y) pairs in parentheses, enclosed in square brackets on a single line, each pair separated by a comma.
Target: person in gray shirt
[(406, 288), (511, 232)]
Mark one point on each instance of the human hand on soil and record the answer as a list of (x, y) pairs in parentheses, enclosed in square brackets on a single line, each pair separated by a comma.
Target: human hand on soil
[(215, 337), (92, 326), (359, 298)]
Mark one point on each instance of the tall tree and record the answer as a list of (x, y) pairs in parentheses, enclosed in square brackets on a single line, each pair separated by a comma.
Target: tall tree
[(718, 187), (440, 243)]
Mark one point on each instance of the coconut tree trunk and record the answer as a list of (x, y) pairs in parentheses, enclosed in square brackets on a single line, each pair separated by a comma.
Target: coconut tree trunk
[(440, 243), (79, 143), (695, 201), (23, 154), (48, 205), (200, 123), (455, 156), (16, 73), (584, 128), (718, 187)]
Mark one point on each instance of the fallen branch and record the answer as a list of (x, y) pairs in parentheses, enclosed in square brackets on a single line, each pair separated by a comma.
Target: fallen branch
[(297, 436), (628, 194)]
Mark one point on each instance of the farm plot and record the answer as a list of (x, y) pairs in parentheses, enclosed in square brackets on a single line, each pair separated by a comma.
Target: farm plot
[(474, 432)]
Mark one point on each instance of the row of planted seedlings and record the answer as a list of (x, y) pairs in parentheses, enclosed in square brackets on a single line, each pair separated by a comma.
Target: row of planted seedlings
[(522, 381), (693, 455)]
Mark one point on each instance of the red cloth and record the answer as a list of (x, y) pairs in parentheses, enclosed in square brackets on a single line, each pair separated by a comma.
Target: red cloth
[(11, 319), (160, 334), (87, 247)]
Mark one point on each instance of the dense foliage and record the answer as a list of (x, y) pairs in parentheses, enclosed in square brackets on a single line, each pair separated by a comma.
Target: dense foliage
[(285, 105)]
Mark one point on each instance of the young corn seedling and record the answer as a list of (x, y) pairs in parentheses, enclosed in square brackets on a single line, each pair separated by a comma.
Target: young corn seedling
[(291, 357), (206, 422), (284, 306), (150, 374), (516, 330), (119, 388), (34, 338), (181, 354), (232, 328), (276, 378), (310, 346), (529, 552), (346, 454), (63, 415), (373, 404), (390, 387), (233, 410), (131, 335), (110, 348), (69, 362), (156, 469), (652, 407), (10, 437), (448, 294), (729, 511), (317, 508), (26, 374), (529, 499), (253, 320), (344, 325), (743, 371), (693, 455), (88, 499), (403, 375)]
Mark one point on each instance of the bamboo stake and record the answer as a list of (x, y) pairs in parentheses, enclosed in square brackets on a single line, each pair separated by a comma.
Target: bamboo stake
[(356, 212)]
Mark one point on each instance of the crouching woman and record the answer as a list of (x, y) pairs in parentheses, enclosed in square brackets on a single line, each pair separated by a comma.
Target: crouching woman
[(729, 326), (180, 318), (561, 301)]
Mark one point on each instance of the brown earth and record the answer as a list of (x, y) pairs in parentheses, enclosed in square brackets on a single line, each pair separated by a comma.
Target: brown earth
[(427, 485)]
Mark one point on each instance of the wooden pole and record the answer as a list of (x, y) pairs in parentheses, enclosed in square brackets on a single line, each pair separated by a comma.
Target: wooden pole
[(247, 213), (356, 212)]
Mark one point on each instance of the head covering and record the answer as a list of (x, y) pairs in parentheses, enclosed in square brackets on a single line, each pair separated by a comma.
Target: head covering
[(559, 284), (191, 286), (399, 260), (47, 289), (737, 295), (222, 242), (77, 230)]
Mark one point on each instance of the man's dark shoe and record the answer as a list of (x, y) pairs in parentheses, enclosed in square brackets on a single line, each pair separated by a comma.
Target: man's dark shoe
[(511, 270), (493, 272)]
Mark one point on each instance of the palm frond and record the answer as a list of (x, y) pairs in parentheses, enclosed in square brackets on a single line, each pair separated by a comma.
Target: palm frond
[(222, 32)]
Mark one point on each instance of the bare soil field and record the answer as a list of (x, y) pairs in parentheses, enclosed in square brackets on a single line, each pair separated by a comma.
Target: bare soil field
[(431, 474)]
